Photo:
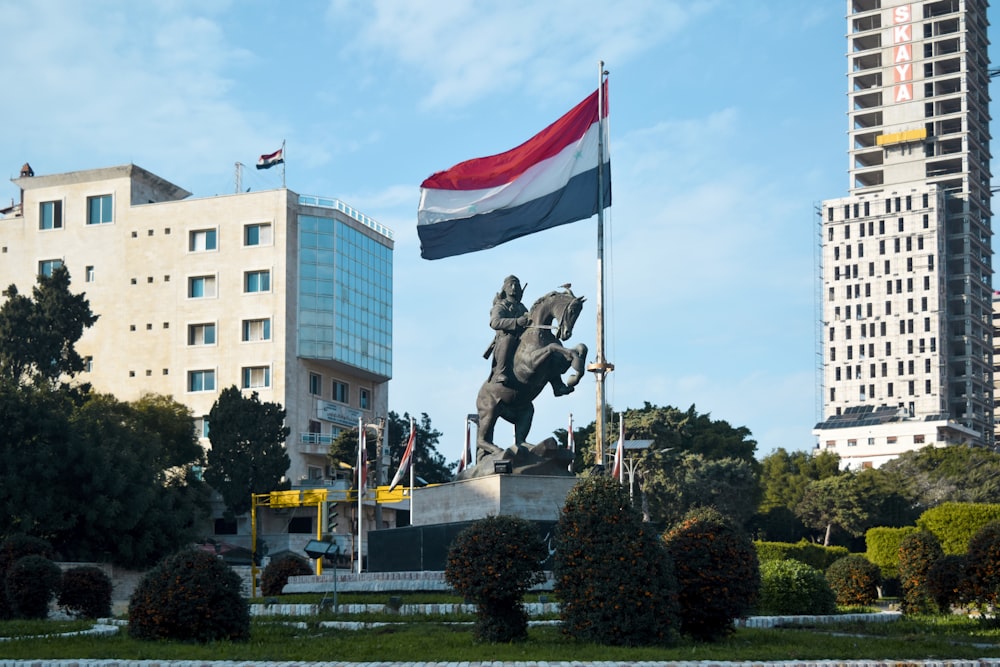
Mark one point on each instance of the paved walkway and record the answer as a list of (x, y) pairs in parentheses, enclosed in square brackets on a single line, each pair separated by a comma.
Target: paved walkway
[(985, 662)]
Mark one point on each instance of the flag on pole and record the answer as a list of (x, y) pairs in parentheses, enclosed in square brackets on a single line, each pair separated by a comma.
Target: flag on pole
[(618, 470), (270, 159), (570, 445), (549, 180), (407, 459), (362, 461), (464, 462)]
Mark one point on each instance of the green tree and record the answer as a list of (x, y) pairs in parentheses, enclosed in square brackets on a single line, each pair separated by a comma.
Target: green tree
[(852, 502), (691, 432), (935, 475), (344, 449), (429, 464), (86, 476), (785, 475), (674, 485), (40, 333), (247, 454), (170, 427)]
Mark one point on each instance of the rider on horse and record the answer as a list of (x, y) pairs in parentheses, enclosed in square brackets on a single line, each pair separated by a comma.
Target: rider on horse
[(508, 318)]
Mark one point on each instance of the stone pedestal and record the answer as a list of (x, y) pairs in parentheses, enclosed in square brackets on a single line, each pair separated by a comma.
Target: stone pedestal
[(530, 497), (439, 513)]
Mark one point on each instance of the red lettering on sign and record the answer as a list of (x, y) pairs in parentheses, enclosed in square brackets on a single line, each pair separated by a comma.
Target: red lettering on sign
[(901, 14), (903, 72), (901, 33), (901, 54), (903, 93)]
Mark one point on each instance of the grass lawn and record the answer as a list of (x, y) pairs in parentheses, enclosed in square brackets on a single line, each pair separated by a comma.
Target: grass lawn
[(908, 639)]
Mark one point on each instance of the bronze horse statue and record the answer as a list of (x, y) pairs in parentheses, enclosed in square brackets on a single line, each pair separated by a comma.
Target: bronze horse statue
[(539, 359)]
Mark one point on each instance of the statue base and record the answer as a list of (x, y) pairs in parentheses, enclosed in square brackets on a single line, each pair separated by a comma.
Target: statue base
[(439, 513), (532, 497)]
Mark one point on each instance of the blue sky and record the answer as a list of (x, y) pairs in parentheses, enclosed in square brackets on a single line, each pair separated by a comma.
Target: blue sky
[(728, 126)]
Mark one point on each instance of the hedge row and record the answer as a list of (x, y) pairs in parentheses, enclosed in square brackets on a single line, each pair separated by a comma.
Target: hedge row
[(954, 524), (813, 555)]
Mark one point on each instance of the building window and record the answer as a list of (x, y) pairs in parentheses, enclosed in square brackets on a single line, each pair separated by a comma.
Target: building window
[(201, 334), (255, 377), (99, 210), (851, 442), (257, 234), (918, 439), (257, 281), (47, 266), (201, 426), (201, 240), (201, 287), (201, 381), (364, 399), (341, 392), (315, 384), (89, 274), (256, 330), (88, 364), (50, 215)]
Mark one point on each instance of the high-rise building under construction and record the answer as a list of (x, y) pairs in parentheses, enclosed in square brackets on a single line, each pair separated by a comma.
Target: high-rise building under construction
[(906, 255)]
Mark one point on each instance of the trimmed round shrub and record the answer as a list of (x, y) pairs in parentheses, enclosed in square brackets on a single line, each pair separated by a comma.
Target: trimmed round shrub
[(13, 549), (613, 575), (983, 565), (31, 584), (718, 576), (277, 572), (190, 596), (86, 592), (917, 552), (855, 580), (792, 587), (946, 581), (493, 563)]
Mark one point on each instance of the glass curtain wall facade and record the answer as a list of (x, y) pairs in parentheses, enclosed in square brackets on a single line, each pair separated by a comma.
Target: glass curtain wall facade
[(345, 295)]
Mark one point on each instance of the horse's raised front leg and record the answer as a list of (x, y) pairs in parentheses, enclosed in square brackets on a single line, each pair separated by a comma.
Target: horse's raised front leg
[(577, 365)]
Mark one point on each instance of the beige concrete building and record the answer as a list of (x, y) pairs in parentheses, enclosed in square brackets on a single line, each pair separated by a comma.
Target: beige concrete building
[(906, 256), (283, 294)]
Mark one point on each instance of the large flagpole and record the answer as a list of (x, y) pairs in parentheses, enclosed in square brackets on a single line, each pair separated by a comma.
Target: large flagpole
[(601, 367), (413, 464), (361, 486)]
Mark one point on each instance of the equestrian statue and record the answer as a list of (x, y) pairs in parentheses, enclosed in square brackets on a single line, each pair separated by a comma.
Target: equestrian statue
[(527, 354)]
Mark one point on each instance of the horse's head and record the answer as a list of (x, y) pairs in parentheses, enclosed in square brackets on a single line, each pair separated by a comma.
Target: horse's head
[(568, 319), (563, 307)]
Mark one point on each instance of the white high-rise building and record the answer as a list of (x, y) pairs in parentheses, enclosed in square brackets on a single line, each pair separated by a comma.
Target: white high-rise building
[(906, 257), (282, 294)]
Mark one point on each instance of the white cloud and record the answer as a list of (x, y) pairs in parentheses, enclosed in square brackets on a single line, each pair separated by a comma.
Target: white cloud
[(469, 50)]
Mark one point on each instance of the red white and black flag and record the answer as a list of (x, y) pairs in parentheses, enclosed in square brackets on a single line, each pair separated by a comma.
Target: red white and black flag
[(407, 460), (270, 159)]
